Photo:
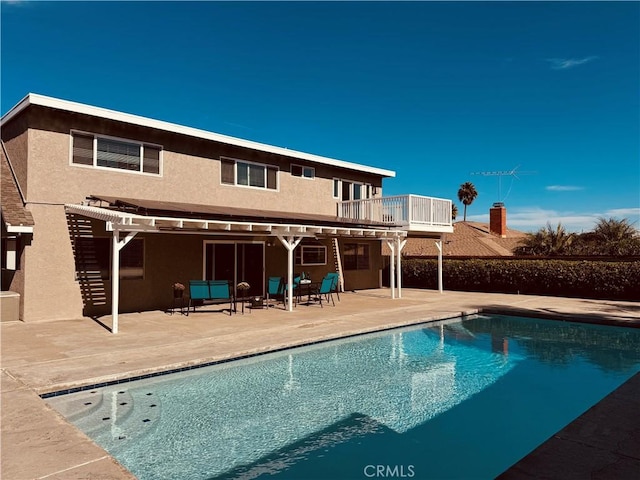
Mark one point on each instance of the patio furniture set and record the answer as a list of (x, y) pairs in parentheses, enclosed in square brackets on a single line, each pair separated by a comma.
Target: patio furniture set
[(207, 292)]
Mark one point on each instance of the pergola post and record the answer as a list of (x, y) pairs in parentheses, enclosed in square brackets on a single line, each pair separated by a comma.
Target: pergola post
[(399, 246), (290, 243), (439, 247), (116, 245), (392, 268)]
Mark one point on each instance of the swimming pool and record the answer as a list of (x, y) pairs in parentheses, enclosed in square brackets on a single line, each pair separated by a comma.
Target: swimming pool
[(456, 399)]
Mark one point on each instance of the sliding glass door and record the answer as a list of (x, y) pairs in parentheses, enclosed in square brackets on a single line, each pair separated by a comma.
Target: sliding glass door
[(236, 262)]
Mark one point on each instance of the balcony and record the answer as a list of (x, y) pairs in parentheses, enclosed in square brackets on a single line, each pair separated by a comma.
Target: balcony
[(414, 213)]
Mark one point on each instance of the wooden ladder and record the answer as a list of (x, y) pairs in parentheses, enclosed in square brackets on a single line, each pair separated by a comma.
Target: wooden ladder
[(338, 263)]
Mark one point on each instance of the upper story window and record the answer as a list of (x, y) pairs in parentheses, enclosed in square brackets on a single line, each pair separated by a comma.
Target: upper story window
[(106, 152), (238, 172), (348, 190), (305, 172)]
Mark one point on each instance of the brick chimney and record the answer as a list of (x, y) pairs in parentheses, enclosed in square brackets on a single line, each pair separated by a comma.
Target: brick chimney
[(498, 219)]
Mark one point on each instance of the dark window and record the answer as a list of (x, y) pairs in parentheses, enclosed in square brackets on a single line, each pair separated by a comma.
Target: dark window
[(151, 162), (272, 175), (357, 191), (227, 175), (356, 256), (83, 149), (311, 255), (257, 175), (249, 174), (306, 172), (118, 154), (346, 190)]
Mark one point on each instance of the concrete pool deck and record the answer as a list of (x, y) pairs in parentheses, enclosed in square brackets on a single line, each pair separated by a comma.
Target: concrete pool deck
[(43, 357)]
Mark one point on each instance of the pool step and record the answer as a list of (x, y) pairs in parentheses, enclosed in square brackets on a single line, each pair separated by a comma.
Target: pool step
[(118, 415), (78, 405)]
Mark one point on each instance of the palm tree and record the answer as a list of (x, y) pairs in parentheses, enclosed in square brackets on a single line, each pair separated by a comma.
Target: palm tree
[(467, 194), (616, 237), (547, 241), (454, 211)]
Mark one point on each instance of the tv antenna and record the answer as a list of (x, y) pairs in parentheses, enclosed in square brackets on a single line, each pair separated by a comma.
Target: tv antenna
[(513, 173)]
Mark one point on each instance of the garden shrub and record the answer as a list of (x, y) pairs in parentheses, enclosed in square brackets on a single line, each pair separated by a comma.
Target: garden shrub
[(566, 278)]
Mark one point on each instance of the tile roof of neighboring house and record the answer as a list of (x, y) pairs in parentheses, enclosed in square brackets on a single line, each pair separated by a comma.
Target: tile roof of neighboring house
[(469, 239), (14, 213)]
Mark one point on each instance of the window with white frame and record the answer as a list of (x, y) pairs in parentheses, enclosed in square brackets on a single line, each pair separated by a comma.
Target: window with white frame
[(311, 255), (248, 174), (348, 190), (305, 172), (356, 256), (106, 152)]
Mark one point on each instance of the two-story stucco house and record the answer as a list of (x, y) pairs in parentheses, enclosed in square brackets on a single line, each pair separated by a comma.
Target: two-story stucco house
[(121, 207)]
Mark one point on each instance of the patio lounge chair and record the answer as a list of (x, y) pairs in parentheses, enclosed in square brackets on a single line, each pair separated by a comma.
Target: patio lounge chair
[(212, 291), (325, 290), (275, 289)]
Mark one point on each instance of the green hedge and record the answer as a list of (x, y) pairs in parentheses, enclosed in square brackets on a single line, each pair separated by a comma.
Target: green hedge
[(566, 278)]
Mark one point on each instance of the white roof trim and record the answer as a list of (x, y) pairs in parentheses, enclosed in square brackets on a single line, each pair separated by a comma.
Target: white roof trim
[(44, 101), (19, 228), (128, 222)]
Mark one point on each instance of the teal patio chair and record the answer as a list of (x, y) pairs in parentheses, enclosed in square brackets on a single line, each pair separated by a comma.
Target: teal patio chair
[(198, 292), (326, 290), (335, 288), (275, 289), (220, 292)]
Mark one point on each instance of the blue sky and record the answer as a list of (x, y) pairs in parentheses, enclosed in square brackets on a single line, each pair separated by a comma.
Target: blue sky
[(431, 90)]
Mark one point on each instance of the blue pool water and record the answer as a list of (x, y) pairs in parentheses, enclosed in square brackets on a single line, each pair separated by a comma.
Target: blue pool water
[(458, 399)]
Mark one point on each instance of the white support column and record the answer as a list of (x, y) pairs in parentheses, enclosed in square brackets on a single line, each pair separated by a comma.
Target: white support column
[(439, 247), (290, 243), (399, 246), (392, 268), (116, 246)]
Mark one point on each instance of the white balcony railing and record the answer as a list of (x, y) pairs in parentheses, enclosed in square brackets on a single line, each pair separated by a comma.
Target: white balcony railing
[(413, 212)]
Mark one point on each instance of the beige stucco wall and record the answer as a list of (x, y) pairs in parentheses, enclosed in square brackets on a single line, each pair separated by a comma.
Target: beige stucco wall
[(50, 289), (190, 171), (15, 138)]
